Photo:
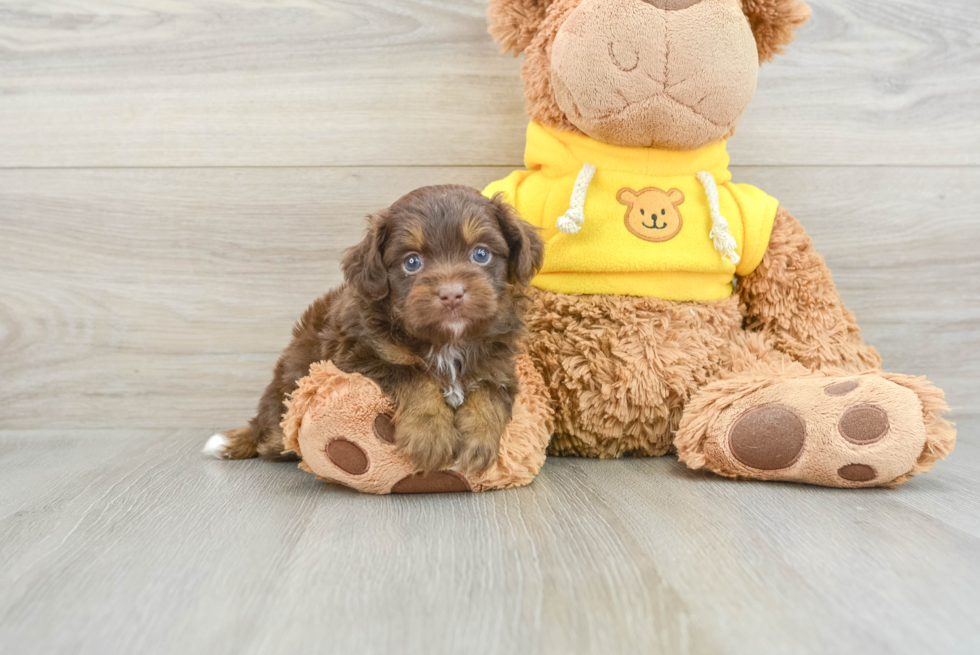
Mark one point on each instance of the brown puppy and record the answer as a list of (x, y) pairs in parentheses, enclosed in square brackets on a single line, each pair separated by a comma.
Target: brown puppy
[(431, 309)]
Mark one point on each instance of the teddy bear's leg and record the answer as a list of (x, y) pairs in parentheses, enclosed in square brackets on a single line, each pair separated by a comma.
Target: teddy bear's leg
[(784, 422), (792, 301), (341, 426), (803, 397)]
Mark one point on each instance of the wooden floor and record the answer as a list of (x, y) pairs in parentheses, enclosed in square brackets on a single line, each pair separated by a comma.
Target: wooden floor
[(129, 542), (177, 181)]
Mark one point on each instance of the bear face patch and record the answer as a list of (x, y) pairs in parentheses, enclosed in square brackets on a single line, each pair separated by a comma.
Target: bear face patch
[(652, 214)]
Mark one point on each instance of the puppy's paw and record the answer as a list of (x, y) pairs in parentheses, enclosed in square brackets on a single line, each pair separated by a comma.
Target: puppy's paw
[(428, 440), (477, 456), (481, 422)]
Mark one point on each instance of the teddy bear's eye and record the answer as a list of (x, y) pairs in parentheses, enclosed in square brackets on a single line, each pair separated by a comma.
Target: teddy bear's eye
[(642, 213), (663, 212)]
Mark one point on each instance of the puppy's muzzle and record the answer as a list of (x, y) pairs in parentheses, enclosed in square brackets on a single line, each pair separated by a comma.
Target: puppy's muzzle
[(452, 295)]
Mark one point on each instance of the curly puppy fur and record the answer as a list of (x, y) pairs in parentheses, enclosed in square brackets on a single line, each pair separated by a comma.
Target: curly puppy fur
[(431, 310)]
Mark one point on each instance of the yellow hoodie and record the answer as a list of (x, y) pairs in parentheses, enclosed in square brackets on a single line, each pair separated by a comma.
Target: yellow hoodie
[(637, 221)]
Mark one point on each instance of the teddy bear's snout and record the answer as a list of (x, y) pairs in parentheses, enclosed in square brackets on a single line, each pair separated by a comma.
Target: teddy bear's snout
[(672, 5), (641, 73)]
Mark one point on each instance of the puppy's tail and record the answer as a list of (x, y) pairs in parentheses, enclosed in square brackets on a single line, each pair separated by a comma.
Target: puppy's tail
[(239, 443)]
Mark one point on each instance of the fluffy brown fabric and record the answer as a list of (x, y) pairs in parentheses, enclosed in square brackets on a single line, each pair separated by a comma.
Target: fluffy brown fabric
[(536, 71), (620, 368), (791, 298), (916, 434), (431, 310), (629, 74), (513, 23), (637, 376), (330, 406), (774, 24), (650, 63)]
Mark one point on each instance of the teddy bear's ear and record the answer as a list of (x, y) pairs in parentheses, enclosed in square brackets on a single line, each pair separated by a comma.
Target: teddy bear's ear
[(676, 196), (513, 23), (774, 23)]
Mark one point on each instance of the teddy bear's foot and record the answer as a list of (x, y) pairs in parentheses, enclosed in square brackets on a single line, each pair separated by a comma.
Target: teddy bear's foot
[(862, 431), (341, 426)]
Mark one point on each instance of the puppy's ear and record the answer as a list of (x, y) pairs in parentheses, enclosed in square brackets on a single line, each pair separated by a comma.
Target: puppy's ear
[(526, 248), (513, 23), (774, 24), (363, 266)]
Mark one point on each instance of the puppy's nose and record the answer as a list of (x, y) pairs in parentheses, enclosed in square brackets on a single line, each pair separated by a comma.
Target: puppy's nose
[(669, 5), (451, 295)]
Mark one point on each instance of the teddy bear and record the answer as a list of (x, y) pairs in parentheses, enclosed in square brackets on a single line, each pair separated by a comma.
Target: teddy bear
[(340, 424), (676, 310)]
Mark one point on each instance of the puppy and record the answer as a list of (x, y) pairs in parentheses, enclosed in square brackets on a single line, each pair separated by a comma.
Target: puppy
[(431, 309)]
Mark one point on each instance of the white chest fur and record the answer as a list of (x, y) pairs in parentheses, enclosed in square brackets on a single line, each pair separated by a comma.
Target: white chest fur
[(448, 363)]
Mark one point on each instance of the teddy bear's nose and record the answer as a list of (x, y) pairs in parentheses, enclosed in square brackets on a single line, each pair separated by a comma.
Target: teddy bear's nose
[(671, 5)]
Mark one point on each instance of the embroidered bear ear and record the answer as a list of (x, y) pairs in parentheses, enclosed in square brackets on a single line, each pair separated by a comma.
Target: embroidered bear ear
[(513, 23), (627, 196), (676, 196), (774, 24)]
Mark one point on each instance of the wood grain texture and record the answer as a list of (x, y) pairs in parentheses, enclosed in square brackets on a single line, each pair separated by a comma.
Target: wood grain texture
[(418, 82), (126, 542), (161, 298)]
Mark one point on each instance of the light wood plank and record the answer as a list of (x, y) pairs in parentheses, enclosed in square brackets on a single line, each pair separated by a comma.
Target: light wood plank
[(398, 82), (161, 298), (131, 541)]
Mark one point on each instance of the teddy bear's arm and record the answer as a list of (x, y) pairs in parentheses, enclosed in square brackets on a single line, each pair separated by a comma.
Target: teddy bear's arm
[(791, 297)]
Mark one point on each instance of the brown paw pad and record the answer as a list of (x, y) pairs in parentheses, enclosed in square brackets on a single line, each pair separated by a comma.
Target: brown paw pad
[(863, 425), (348, 456), (384, 429), (842, 388), (432, 483), (857, 473), (768, 438)]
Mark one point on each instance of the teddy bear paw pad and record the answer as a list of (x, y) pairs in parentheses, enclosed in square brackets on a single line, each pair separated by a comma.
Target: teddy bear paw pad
[(857, 473), (863, 425), (384, 428), (357, 452), (768, 438), (853, 432), (431, 483), (348, 456)]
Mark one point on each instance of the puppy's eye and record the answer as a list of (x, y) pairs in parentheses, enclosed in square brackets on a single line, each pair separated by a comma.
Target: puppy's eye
[(413, 263), (480, 255)]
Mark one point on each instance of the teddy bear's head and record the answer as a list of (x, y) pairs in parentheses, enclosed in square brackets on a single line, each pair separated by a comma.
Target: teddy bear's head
[(674, 74)]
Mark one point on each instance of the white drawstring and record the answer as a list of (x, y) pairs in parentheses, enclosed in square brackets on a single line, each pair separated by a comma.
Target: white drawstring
[(571, 221), (720, 235)]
